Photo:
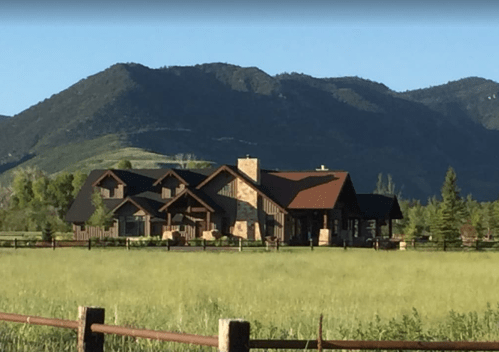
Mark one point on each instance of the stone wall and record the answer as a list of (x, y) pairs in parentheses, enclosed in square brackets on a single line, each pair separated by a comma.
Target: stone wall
[(246, 225)]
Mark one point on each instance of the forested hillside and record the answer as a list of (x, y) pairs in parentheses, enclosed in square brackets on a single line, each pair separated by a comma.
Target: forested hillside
[(290, 121)]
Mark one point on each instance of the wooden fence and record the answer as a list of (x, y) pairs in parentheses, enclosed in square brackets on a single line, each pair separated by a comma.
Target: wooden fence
[(128, 243), (233, 336)]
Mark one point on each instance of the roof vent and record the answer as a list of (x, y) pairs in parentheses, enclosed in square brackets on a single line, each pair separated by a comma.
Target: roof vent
[(323, 168)]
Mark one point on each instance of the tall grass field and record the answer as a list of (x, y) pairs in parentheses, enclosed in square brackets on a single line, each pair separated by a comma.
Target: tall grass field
[(363, 294)]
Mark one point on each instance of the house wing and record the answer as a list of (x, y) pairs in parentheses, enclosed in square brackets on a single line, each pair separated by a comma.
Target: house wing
[(82, 208), (305, 189), (235, 173)]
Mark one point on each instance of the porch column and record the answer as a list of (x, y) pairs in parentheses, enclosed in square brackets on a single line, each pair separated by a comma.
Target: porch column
[(390, 232), (325, 232), (169, 221), (208, 223)]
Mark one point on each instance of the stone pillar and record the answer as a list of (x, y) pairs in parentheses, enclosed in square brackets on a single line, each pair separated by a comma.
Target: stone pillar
[(324, 237)]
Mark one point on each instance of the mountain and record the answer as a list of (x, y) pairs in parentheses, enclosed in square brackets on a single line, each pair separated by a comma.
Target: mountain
[(290, 121), (4, 117)]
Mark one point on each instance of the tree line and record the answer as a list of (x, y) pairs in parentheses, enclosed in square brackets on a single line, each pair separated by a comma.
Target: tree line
[(448, 217), (34, 200)]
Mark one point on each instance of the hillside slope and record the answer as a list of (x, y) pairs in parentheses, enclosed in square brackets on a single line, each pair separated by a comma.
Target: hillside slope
[(290, 121)]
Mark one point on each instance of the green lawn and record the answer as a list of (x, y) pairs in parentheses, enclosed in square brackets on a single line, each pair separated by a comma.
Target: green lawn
[(361, 292)]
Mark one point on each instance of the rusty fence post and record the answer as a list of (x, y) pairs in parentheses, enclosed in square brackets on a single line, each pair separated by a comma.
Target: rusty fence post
[(233, 335), (89, 341)]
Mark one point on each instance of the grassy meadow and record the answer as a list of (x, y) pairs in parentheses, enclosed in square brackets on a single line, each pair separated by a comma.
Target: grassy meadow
[(363, 294)]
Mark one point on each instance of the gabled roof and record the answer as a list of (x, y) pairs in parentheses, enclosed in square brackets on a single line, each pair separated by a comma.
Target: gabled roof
[(199, 196), (171, 173), (236, 173), (139, 183), (134, 202), (305, 189), (189, 177), (378, 206), (108, 173), (149, 202)]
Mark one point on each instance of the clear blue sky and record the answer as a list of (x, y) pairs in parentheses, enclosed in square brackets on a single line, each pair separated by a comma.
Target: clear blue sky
[(47, 46)]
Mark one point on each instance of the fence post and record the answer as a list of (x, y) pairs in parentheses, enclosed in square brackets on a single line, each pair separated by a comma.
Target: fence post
[(233, 335), (311, 244), (89, 341), (345, 245), (445, 245), (89, 244), (53, 244), (168, 244), (15, 243), (240, 244), (128, 244), (277, 245), (204, 244), (477, 245)]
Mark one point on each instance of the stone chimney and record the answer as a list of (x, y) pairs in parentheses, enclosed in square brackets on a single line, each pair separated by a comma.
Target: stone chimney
[(250, 167), (247, 224)]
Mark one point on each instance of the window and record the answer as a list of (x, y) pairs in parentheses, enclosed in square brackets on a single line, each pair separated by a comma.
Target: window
[(132, 226)]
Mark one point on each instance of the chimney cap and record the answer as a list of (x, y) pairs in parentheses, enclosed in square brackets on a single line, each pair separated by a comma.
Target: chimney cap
[(248, 156), (322, 168)]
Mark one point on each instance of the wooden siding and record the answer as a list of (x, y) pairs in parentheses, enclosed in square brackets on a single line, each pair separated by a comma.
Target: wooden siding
[(273, 216), (87, 232), (109, 188), (170, 187), (222, 191)]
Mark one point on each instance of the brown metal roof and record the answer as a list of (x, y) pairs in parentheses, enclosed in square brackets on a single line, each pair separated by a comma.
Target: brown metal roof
[(304, 189)]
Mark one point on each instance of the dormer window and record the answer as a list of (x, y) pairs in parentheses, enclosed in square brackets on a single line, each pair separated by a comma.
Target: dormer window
[(110, 186)]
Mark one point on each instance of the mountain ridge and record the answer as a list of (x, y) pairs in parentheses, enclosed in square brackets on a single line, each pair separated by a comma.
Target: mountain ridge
[(291, 121)]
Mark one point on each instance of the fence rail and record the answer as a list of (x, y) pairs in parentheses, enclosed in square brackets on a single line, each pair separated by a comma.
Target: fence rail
[(233, 336)]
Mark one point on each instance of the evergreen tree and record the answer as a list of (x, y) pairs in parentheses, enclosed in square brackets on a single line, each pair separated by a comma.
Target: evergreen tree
[(430, 215), (451, 209), (415, 224)]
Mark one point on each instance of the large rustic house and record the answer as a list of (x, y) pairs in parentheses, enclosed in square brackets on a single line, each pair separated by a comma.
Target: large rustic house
[(242, 200)]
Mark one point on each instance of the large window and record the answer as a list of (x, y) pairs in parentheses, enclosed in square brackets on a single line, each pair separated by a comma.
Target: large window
[(132, 226)]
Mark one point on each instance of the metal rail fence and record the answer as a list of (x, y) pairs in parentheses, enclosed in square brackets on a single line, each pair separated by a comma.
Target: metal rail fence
[(233, 336)]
